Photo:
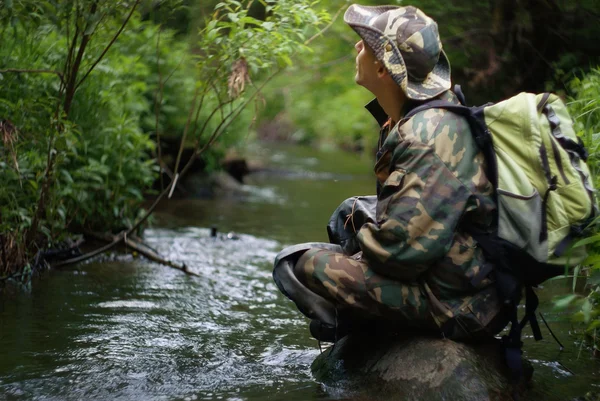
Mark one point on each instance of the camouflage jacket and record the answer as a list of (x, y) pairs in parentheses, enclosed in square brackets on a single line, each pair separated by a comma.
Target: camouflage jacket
[(431, 181)]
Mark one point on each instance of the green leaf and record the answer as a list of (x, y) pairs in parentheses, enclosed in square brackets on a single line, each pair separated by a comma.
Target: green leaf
[(565, 301), (586, 241), (592, 260), (594, 278), (286, 59), (92, 23), (575, 275), (594, 324), (586, 308), (67, 176)]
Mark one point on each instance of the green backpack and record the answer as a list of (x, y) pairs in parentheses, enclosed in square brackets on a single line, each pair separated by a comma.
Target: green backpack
[(544, 193), (544, 189)]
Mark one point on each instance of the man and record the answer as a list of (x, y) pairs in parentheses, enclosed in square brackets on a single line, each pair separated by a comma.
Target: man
[(406, 259)]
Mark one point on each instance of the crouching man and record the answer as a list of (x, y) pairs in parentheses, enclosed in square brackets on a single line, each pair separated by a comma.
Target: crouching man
[(403, 259)]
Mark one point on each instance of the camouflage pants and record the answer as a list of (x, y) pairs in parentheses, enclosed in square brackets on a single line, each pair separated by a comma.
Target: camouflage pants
[(352, 286)]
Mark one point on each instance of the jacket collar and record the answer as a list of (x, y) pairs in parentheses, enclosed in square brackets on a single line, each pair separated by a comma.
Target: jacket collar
[(377, 112)]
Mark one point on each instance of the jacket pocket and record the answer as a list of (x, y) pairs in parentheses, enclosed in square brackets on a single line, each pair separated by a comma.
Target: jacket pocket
[(390, 187)]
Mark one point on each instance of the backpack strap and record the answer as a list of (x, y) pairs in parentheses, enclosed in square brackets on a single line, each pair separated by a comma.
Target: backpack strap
[(479, 130), (567, 143), (531, 304), (460, 95)]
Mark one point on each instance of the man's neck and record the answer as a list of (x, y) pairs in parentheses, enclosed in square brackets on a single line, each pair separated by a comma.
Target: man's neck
[(393, 103)]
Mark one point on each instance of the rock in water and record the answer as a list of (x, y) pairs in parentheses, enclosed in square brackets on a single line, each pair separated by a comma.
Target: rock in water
[(421, 368)]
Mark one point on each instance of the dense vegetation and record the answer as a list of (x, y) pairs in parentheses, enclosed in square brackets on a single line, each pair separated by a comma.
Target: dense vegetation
[(92, 90), (585, 109)]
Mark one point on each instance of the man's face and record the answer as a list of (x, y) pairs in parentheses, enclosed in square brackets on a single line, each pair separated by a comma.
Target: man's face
[(366, 66)]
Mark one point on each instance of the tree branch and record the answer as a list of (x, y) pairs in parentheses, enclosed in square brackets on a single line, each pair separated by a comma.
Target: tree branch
[(234, 113), (72, 77), (109, 45), (307, 42), (157, 103), (185, 131)]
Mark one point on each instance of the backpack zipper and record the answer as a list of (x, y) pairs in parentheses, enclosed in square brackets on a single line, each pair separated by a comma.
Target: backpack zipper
[(559, 164), (552, 181)]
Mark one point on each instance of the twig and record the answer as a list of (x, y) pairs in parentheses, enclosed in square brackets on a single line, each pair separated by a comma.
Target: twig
[(113, 40), (307, 42), (236, 112), (71, 85), (42, 71), (218, 95), (185, 131), (157, 103), (67, 67)]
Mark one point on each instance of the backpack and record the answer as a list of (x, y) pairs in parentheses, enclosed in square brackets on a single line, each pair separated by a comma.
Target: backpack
[(544, 196)]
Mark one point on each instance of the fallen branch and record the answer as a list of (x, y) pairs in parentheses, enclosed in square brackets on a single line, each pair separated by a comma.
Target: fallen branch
[(116, 240), (140, 248), (130, 242)]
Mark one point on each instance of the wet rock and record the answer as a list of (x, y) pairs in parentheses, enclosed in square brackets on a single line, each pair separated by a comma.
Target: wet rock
[(219, 183), (422, 368), (236, 167)]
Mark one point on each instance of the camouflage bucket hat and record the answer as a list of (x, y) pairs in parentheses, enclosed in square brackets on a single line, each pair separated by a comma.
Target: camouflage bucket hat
[(407, 42)]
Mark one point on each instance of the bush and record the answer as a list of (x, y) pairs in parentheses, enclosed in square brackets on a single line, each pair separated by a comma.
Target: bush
[(78, 129), (585, 108)]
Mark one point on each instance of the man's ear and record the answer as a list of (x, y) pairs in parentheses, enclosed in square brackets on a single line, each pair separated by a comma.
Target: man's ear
[(381, 70)]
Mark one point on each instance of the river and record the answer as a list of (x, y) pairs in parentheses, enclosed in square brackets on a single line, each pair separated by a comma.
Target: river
[(124, 328)]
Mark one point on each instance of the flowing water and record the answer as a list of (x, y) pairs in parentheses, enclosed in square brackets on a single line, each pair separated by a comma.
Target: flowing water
[(128, 329)]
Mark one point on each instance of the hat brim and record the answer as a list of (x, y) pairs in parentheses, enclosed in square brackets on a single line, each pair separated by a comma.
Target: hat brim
[(436, 82)]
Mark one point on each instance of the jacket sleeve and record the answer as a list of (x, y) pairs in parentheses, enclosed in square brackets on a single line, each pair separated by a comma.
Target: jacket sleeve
[(419, 206)]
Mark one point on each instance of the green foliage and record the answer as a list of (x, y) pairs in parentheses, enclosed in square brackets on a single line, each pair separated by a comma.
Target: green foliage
[(585, 109), (103, 162), (236, 49), (80, 120)]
